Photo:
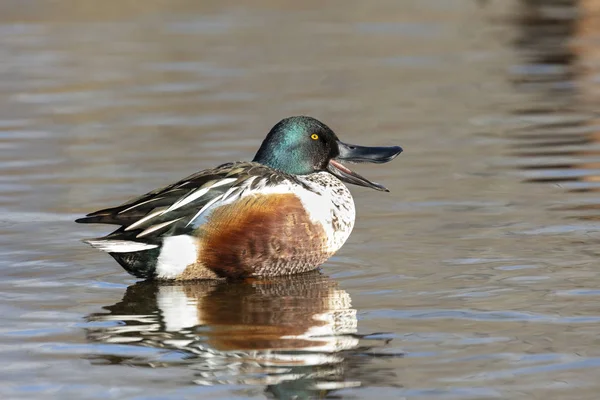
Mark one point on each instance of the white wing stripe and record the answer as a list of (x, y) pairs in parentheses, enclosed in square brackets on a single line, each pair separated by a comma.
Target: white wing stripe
[(230, 192), (210, 203), (223, 182), (139, 204), (155, 228), (199, 193), (146, 218), (193, 196), (249, 181)]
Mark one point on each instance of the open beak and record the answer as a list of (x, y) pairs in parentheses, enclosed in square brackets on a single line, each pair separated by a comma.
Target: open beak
[(361, 154)]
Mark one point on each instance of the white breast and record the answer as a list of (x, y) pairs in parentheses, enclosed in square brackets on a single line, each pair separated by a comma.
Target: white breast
[(331, 204)]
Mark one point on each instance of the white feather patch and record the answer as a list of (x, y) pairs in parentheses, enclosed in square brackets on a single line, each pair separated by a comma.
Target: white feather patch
[(176, 253), (119, 246)]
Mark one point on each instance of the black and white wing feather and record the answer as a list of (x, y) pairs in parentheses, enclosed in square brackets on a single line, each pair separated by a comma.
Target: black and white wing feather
[(174, 208)]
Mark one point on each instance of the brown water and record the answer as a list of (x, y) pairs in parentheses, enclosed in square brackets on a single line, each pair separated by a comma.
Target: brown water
[(475, 278)]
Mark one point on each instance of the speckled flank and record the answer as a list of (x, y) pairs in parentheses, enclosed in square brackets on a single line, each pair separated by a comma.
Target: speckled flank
[(261, 235), (196, 271)]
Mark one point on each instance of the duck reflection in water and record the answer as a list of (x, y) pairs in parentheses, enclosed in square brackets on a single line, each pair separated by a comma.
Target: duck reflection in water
[(297, 335)]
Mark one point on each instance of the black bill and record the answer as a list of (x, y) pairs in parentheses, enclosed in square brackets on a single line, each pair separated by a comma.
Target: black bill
[(360, 154)]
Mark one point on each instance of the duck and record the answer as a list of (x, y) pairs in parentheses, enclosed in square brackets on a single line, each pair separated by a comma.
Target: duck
[(285, 212)]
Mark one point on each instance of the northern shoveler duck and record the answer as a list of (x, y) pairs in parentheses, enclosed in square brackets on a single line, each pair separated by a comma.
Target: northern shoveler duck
[(285, 212)]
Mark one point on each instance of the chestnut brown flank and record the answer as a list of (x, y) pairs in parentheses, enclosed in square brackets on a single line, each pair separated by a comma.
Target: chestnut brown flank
[(261, 235)]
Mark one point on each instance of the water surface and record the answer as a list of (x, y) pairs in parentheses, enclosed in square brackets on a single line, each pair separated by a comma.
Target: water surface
[(475, 278)]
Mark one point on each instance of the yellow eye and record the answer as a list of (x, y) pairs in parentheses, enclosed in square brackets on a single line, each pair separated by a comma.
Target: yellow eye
[(314, 136)]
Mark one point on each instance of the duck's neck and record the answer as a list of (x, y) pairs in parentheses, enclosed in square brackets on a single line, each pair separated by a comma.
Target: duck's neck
[(291, 162)]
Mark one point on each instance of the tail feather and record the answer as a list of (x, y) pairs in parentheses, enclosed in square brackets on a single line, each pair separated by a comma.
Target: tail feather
[(92, 220), (102, 218), (141, 264), (137, 258)]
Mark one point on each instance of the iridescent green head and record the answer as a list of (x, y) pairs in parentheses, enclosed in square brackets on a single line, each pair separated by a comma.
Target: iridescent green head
[(303, 145)]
